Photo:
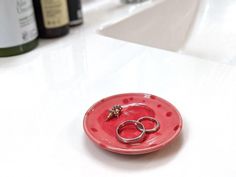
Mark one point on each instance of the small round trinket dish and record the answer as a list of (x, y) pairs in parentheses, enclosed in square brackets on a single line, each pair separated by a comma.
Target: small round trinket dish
[(132, 123)]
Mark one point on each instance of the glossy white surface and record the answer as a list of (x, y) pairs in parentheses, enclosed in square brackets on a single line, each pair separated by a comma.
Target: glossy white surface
[(45, 93), (202, 28)]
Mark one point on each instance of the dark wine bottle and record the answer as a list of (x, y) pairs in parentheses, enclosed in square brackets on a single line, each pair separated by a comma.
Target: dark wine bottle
[(18, 31), (75, 12), (52, 18)]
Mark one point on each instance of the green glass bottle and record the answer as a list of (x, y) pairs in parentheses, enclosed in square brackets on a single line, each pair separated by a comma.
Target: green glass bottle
[(18, 31), (52, 18)]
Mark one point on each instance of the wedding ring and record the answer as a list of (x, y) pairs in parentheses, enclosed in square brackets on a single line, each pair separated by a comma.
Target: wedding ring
[(154, 129), (140, 127)]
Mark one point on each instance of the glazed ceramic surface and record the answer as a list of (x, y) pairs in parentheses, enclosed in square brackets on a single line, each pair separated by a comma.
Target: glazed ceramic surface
[(202, 28), (135, 106)]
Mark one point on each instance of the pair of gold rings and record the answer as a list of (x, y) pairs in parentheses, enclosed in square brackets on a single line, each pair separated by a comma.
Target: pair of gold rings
[(139, 126)]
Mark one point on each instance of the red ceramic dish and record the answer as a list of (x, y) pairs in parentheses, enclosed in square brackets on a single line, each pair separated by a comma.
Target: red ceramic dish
[(135, 105)]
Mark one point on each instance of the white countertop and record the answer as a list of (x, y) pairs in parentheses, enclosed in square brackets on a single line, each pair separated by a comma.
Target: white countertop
[(45, 93)]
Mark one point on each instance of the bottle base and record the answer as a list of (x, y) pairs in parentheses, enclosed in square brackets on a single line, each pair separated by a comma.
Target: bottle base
[(76, 22), (54, 32), (20, 49), (132, 1)]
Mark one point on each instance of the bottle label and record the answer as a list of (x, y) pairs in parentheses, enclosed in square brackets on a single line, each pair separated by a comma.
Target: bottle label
[(17, 22), (55, 13)]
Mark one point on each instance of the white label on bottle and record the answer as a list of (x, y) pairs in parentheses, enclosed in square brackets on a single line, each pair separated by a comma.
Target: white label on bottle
[(17, 23)]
